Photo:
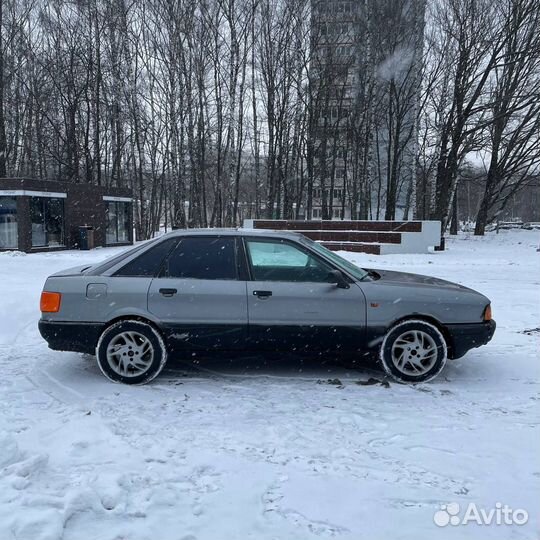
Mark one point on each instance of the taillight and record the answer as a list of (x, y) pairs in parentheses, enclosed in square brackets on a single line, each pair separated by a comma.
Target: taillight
[(487, 313), (50, 302)]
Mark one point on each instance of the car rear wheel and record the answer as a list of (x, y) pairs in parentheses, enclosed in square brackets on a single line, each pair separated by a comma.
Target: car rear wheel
[(413, 351), (131, 352)]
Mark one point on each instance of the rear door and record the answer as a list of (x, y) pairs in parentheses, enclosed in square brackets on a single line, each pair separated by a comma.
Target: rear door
[(199, 296), (293, 304)]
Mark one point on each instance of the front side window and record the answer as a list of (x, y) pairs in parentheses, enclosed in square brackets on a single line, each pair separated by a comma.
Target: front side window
[(8, 223), (118, 222), (281, 261), (355, 271), (203, 258), (47, 215)]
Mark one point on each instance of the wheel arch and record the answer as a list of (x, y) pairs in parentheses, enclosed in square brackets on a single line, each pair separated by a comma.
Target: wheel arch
[(429, 319), (134, 317)]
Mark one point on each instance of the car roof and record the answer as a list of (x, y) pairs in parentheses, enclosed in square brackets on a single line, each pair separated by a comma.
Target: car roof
[(233, 232), (135, 251)]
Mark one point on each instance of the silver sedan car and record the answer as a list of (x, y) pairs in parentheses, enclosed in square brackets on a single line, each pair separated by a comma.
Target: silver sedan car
[(239, 290)]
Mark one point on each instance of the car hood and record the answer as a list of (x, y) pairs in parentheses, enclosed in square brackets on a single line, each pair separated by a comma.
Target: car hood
[(404, 278)]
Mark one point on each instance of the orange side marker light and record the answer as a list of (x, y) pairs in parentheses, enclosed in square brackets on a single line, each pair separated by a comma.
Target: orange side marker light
[(50, 302)]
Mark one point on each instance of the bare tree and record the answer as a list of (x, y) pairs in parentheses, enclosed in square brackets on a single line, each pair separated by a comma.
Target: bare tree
[(216, 110), (513, 139)]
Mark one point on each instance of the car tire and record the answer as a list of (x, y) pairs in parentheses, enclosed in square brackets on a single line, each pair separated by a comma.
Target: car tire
[(131, 352), (413, 351)]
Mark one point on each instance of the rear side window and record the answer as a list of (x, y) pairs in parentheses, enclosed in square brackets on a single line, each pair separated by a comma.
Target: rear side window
[(203, 258), (149, 263), (113, 261)]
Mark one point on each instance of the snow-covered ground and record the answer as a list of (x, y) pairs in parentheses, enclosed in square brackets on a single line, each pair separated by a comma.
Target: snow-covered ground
[(273, 452)]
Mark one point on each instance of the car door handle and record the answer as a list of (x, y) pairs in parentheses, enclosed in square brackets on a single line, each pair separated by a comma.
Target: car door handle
[(168, 292), (262, 294)]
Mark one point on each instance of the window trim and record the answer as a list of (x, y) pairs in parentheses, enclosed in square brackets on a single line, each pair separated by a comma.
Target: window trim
[(109, 266), (44, 210), (117, 204), (244, 270), (16, 222), (162, 271), (174, 243), (31, 193), (297, 245), (110, 198)]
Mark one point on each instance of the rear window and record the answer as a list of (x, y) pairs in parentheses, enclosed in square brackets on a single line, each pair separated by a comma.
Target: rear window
[(99, 269), (203, 258), (149, 263)]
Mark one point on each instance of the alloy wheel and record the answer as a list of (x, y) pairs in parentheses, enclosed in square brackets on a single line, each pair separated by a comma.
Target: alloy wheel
[(414, 352), (130, 354)]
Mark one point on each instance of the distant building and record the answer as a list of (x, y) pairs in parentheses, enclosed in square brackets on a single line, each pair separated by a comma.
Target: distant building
[(38, 215), (365, 68)]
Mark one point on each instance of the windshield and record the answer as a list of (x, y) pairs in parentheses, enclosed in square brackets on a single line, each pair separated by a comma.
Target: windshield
[(354, 270)]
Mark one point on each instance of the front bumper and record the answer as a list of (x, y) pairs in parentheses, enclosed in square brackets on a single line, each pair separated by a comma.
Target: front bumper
[(464, 337), (71, 336)]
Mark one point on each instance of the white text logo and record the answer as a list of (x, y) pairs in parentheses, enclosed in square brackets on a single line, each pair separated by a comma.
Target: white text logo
[(501, 514)]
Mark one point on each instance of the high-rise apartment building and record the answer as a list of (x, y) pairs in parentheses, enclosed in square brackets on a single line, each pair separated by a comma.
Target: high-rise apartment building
[(365, 92)]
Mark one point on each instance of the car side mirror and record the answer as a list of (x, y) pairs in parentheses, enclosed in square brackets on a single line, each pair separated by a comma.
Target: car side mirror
[(335, 276)]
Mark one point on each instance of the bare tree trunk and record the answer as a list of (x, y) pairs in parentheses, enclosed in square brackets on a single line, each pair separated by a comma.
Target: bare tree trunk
[(3, 141)]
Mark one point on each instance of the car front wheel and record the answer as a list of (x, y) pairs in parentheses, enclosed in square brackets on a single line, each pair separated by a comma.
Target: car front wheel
[(413, 351), (131, 352)]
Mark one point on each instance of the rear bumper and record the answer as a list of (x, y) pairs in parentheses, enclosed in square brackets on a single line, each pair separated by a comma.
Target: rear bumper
[(464, 337), (71, 336)]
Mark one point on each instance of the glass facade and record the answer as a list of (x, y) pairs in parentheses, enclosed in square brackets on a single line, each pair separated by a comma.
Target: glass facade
[(35, 219), (8, 223), (118, 222), (47, 217)]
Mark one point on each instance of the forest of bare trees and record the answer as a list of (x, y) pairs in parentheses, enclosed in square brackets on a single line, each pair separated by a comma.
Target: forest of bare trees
[(208, 109)]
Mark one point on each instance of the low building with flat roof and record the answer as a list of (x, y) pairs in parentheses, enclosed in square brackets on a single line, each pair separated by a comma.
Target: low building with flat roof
[(41, 215)]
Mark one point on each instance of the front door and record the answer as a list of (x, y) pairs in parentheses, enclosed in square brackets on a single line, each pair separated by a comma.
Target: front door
[(293, 304), (198, 298)]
